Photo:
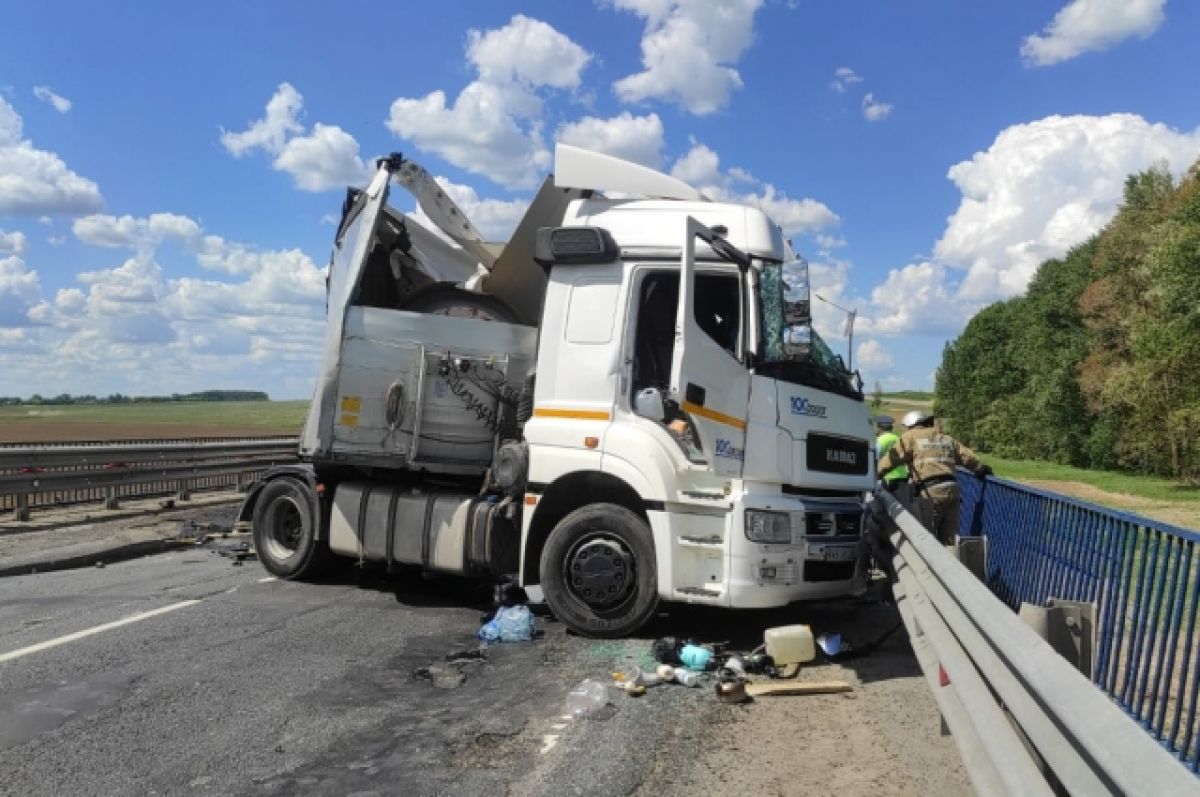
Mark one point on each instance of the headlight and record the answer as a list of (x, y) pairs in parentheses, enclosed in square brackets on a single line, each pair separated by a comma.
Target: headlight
[(763, 526)]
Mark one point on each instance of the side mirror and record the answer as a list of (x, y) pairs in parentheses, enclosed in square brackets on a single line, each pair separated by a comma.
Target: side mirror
[(648, 403)]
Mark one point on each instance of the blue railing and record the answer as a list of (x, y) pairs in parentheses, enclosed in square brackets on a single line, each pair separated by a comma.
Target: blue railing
[(1143, 575)]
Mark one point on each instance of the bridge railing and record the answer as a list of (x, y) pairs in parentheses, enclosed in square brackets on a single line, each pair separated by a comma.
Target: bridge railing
[(1143, 576)]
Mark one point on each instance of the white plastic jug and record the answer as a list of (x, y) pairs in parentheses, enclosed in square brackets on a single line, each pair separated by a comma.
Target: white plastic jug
[(790, 644)]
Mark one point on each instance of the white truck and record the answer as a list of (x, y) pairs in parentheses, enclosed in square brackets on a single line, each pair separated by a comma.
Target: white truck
[(618, 407)]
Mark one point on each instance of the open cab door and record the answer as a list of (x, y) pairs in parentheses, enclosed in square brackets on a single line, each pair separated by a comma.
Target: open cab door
[(710, 379)]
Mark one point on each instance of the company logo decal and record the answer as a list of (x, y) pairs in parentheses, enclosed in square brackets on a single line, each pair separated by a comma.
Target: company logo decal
[(728, 450), (802, 406), (843, 457)]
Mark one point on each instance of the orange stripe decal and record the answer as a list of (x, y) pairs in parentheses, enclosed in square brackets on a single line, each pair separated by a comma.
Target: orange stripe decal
[(578, 415), (713, 415)]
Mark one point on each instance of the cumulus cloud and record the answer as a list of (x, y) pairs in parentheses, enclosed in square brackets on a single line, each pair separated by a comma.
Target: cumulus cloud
[(873, 357), (1043, 187), (57, 101), (874, 110), (12, 243), (700, 167), (689, 49), (134, 233), (323, 158), (494, 126), (843, 78), (918, 298), (35, 182), (494, 218), (1090, 25), (19, 291), (633, 138)]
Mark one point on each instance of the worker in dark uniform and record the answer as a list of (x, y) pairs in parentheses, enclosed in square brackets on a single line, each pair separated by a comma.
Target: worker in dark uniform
[(932, 456), (887, 438)]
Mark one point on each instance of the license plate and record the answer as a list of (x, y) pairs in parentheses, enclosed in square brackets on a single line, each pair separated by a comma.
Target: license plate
[(833, 553)]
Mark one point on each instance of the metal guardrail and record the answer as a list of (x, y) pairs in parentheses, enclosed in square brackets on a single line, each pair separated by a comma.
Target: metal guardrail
[(53, 475), (1025, 720), (1143, 575)]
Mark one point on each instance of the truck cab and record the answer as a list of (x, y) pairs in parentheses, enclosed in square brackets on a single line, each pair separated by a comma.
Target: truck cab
[(626, 405)]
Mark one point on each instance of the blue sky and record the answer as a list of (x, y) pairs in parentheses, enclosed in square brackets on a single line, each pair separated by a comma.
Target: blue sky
[(167, 172)]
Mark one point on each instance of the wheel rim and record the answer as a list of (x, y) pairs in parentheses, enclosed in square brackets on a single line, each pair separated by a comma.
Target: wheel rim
[(285, 528), (600, 571)]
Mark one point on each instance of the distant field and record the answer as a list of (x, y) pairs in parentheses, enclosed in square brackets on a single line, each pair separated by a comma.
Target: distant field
[(1151, 496), (902, 402), (46, 423)]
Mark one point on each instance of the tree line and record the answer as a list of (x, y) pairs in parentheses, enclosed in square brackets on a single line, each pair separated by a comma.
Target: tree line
[(1098, 364), (119, 398)]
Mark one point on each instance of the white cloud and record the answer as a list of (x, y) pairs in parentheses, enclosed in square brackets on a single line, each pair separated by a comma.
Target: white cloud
[(321, 159), (689, 48), (19, 290), (916, 299), (494, 126), (1090, 25), (828, 242), (872, 356), (12, 243), (1043, 187), (34, 181), (59, 102), (494, 218), (634, 138), (134, 233), (527, 51), (843, 78), (700, 167), (874, 110)]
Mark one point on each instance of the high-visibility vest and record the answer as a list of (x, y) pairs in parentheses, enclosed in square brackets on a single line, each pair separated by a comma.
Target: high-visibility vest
[(882, 443)]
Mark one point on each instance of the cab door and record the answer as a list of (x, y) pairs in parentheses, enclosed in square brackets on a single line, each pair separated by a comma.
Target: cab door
[(709, 377)]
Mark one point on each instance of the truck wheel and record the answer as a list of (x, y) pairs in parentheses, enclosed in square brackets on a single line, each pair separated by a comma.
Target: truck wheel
[(285, 530), (598, 571)]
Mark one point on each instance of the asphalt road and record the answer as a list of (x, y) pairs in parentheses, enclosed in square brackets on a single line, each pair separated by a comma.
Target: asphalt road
[(185, 674)]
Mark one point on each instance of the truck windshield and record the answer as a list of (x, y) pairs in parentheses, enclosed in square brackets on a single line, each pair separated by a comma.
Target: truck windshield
[(792, 349)]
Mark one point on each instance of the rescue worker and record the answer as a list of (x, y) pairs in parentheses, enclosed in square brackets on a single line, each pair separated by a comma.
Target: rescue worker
[(932, 456), (897, 476)]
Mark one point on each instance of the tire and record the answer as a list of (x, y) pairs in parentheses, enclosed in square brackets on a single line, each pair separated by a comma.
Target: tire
[(598, 571), (443, 299), (285, 531)]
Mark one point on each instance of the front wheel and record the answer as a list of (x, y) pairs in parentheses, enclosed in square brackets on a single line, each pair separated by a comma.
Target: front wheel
[(598, 571), (285, 531)]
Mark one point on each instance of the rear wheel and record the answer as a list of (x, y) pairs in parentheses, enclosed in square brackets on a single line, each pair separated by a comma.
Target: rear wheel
[(598, 571), (285, 531)]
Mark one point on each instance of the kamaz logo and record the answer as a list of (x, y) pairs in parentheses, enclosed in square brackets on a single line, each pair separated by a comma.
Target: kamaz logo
[(842, 457), (802, 406), (728, 450)]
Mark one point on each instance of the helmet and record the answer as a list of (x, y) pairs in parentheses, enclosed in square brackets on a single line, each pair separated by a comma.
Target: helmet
[(917, 418), (884, 422)]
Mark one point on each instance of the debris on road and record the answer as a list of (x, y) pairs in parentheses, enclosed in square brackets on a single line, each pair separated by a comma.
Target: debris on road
[(450, 673), (777, 688), (509, 624), (587, 698), (790, 644)]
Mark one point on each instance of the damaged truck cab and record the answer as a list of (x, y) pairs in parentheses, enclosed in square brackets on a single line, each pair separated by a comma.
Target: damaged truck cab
[(623, 405)]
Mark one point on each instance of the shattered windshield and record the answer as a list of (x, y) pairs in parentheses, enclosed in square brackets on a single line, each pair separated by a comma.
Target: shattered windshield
[(792, 349)]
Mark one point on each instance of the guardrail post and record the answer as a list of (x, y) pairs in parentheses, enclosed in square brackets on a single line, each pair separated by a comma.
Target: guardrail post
[(972, 552), (1069, 627), (21, 510), (182, 493), (243, 483), (110, 498)]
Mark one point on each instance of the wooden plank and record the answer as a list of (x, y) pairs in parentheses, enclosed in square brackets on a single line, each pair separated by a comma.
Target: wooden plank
[(779, 688)]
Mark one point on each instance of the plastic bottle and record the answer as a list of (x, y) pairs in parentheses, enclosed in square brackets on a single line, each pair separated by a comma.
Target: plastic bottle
[(586, 698), (687, 677)]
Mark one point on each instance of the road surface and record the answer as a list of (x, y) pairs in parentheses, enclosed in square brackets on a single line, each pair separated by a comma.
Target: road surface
[(186, 674)]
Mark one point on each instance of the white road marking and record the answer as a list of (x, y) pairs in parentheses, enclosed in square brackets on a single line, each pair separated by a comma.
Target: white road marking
[(62, 640), (548, 742), (558, 726), (268, 578)]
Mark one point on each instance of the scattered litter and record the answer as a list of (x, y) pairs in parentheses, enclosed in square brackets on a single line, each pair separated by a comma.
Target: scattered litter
[(775, 688), (731, 691), (685, 677), (666, 650), (509, 624), (587, 698), (697, 658), (835, 646), (790, 644), (100, 564)]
